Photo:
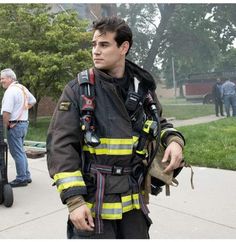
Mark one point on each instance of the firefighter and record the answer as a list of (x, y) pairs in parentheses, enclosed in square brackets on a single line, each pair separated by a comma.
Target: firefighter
[(93, 138)]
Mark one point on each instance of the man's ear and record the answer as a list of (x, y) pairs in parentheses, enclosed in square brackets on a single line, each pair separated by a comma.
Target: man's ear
[(124, 47)]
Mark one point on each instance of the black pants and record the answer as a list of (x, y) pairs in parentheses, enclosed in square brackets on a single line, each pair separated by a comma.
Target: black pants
[(133, 225), (219, 107)]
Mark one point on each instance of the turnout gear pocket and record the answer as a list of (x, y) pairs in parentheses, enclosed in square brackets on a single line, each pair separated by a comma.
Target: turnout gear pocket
[(73, 233), (116, 184)]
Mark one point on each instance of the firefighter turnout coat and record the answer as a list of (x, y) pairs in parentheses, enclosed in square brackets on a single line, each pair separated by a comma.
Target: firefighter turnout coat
[(101, 174)]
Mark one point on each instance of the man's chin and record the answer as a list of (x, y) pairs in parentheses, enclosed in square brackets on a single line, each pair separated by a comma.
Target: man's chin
[(100, 67)]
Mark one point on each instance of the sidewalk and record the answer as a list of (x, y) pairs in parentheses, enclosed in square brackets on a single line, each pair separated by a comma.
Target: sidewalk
[(193, 121), (207, 212)]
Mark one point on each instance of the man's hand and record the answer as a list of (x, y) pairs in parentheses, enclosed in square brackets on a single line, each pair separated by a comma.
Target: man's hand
[(82, 218), (174, 153)]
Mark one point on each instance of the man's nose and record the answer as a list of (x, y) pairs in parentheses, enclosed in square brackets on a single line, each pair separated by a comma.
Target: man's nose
[(97, 51)]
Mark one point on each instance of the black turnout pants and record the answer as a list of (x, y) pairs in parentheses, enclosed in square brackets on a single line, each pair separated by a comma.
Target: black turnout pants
[(133, 225)]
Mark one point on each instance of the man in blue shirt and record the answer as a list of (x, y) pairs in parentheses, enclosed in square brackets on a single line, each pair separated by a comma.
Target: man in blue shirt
[(229, 96)]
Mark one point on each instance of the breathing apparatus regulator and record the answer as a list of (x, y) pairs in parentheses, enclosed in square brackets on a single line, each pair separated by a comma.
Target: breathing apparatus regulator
[(87, 105), (150, 130)]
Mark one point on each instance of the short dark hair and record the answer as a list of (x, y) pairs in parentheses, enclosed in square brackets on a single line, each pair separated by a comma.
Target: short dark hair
[(115, 25)]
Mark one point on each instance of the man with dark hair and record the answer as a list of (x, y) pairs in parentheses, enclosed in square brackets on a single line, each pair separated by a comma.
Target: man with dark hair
[(96, 152), (216, 94)]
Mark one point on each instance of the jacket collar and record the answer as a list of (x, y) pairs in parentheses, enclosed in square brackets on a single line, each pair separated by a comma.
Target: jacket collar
[(133, 70)]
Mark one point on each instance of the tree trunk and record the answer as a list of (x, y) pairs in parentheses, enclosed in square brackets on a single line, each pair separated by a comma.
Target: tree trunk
[(181, 90), (166, 11)]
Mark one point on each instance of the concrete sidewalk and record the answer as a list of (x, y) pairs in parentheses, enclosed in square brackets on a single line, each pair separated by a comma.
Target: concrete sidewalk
[(207, 212), (193, 121)]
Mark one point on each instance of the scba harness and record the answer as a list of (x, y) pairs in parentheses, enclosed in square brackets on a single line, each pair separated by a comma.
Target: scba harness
[(150, 131), (135, 100), (86, 81), (138, 98)]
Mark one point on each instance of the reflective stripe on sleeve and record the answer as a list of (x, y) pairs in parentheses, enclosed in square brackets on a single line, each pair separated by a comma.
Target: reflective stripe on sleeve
[(166, 130), (65, 180)]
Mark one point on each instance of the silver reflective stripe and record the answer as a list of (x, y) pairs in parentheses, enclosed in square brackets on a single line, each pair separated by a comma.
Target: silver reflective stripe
[(136, 84), (68, 179), (136, 201), (126, 204), (115, 146), (110, 210)]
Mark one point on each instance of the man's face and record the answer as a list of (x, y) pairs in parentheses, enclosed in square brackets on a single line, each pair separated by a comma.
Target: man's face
[(5, 81), (106, 54)]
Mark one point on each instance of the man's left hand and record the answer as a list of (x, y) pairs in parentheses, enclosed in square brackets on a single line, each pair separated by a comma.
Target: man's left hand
[(174, 153)]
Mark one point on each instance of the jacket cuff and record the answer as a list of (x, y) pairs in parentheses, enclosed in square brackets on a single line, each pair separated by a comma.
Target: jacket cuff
[(171, 132), (176, 139), (74, 202), (71, 192)]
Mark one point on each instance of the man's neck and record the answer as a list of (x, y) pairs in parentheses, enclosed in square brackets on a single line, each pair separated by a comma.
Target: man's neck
[(118, 71)]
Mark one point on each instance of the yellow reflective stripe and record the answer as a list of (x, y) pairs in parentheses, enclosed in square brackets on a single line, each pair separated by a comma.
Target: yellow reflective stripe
[(130, 202), (66, 180), (127, 204), (115, 210), (136, 203), (116, 141), (112, 147), (165, 130), (66, 174), (135, 139), (109, 210), (97, 151)]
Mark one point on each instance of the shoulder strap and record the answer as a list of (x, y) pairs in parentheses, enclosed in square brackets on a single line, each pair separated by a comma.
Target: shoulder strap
[(86, 80), (25, 97)]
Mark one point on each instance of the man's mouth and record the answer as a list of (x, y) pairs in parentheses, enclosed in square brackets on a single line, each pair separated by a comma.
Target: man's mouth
[(96, 59)]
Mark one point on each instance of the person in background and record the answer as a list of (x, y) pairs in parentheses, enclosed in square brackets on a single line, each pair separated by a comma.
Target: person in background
[(16, 102), (229, 97), (216, 94)]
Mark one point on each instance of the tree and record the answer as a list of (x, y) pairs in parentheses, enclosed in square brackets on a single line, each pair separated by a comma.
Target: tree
[(148, 23), (228, 61), (196, 35), (46, 50), (190, 41), (223, 20)]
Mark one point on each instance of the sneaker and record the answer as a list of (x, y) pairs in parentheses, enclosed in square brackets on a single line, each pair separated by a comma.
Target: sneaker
[(29, 180), (18, 183)]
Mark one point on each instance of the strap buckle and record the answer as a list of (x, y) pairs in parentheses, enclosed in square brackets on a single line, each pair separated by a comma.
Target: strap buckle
[(117, 170)]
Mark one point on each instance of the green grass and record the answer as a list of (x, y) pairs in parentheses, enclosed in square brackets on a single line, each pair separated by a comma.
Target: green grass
[(211, 144), (187, 111), (38, 132), (177, 100), (208, 145)]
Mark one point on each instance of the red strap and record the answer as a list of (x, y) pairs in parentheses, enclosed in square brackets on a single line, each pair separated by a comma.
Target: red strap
[(91, 76)]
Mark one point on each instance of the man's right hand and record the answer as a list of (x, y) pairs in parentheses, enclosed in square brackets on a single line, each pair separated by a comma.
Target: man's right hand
[(82, 218)]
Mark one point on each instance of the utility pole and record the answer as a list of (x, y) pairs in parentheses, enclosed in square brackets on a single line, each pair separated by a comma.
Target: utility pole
[(173, 74)]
